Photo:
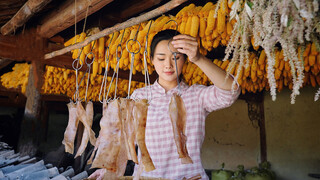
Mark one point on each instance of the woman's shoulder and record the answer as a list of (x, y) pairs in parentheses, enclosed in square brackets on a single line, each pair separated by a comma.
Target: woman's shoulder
[(139, 93), (197, 87)]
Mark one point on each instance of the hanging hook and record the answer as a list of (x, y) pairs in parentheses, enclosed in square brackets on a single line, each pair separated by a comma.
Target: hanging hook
[(116, 71), (175, 54), (132, 58), (146, 72), (88, 71), (105, 76)]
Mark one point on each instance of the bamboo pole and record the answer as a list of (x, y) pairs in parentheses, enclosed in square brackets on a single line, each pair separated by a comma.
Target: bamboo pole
[(133, 21)]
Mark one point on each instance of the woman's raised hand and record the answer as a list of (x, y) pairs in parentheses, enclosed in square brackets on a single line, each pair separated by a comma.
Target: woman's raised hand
[(188, 45)]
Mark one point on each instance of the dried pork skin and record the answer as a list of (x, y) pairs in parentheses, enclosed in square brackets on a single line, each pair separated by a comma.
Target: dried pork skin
[(140, 118), (85, 136), (129, 132), (109, 138), (104, 112), (178, 118), (82, 115), (71, 130)]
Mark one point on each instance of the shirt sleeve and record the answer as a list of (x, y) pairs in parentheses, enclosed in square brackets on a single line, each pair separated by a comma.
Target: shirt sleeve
[(213, 98)]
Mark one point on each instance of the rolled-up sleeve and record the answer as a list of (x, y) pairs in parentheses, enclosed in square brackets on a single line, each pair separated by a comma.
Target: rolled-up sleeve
[(213, 98)]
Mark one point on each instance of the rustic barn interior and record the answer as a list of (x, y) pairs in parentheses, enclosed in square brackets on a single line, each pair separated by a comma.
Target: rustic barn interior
[(253, 130)]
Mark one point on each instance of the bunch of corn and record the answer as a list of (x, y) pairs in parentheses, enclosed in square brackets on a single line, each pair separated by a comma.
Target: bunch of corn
[(253, 77), (192, 74), (17, 78), (211, 28), (62, 81), (311, 59)]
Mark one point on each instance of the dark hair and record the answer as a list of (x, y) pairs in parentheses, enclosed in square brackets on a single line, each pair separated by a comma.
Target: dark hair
[(160, 36)]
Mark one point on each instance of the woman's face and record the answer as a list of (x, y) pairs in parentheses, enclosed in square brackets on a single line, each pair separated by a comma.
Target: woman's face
[(163, 61)]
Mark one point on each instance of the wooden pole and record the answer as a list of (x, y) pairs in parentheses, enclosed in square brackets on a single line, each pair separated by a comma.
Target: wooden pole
[(133, 21), (256, 115), (30, 133)]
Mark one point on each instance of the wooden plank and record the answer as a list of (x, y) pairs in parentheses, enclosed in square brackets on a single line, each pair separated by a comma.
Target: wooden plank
[(64, 16), (23, 15)]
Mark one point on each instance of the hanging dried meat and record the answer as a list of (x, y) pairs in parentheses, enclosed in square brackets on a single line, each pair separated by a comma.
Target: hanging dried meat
[(104, 112), (82, 115), (109, 140), (128, 129), (178, 118), (87, 131), (71, 130), (140, 111)]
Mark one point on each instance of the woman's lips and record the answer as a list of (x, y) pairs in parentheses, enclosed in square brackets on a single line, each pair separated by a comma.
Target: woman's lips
[(169, 73)]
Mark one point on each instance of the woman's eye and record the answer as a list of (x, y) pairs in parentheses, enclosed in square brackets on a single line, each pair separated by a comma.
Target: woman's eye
[(176, 58), (161, 59)]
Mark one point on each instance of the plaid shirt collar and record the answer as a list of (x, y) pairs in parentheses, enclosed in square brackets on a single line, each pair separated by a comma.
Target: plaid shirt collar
[(156, 87)]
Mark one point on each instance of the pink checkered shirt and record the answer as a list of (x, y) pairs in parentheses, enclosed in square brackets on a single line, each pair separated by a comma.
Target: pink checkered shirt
[(199, 101)]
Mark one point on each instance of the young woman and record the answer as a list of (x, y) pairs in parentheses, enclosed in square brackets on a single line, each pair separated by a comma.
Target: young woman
[(199, 101)]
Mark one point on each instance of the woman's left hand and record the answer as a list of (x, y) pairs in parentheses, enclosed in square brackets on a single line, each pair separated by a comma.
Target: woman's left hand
[(188, 45)]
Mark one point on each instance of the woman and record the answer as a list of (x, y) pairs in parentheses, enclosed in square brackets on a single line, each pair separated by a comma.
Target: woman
[(199, 101)]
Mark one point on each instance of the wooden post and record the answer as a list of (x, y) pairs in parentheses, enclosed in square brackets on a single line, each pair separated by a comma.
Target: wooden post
[(30, 133), (256, 115)]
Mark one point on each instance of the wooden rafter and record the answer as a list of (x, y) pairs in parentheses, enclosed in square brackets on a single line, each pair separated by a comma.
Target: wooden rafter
[(23, 15), (64, 17)]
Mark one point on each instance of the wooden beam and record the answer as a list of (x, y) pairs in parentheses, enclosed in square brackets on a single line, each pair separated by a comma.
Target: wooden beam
[(136, 7), (133, 21), (22, 47), (23, 15), (64, 17)]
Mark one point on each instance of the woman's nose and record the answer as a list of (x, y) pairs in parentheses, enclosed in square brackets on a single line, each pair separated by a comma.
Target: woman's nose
[(168, 64)]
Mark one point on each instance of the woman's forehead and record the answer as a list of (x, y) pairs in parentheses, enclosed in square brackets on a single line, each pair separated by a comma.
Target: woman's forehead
[(163, 46)]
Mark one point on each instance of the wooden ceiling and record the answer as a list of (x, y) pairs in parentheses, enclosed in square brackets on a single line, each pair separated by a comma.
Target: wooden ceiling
[(29, 29), (32, 28)]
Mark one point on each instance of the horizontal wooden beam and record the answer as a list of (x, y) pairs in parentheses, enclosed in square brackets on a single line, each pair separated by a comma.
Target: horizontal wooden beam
[(64, 17), (23, 15)]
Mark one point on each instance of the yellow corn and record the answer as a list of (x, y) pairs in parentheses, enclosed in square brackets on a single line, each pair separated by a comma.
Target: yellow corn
[(221, 21), (262, 58), (307, 50), (188, 25), (202, 27), (210, 23), (312, 60), (195, 26), (314, 49)]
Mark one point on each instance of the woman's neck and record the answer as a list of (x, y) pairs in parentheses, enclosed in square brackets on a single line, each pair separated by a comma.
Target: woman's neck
[(167, 85)]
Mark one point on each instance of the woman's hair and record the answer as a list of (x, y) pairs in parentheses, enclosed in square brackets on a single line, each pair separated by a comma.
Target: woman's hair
[(160, 36)]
